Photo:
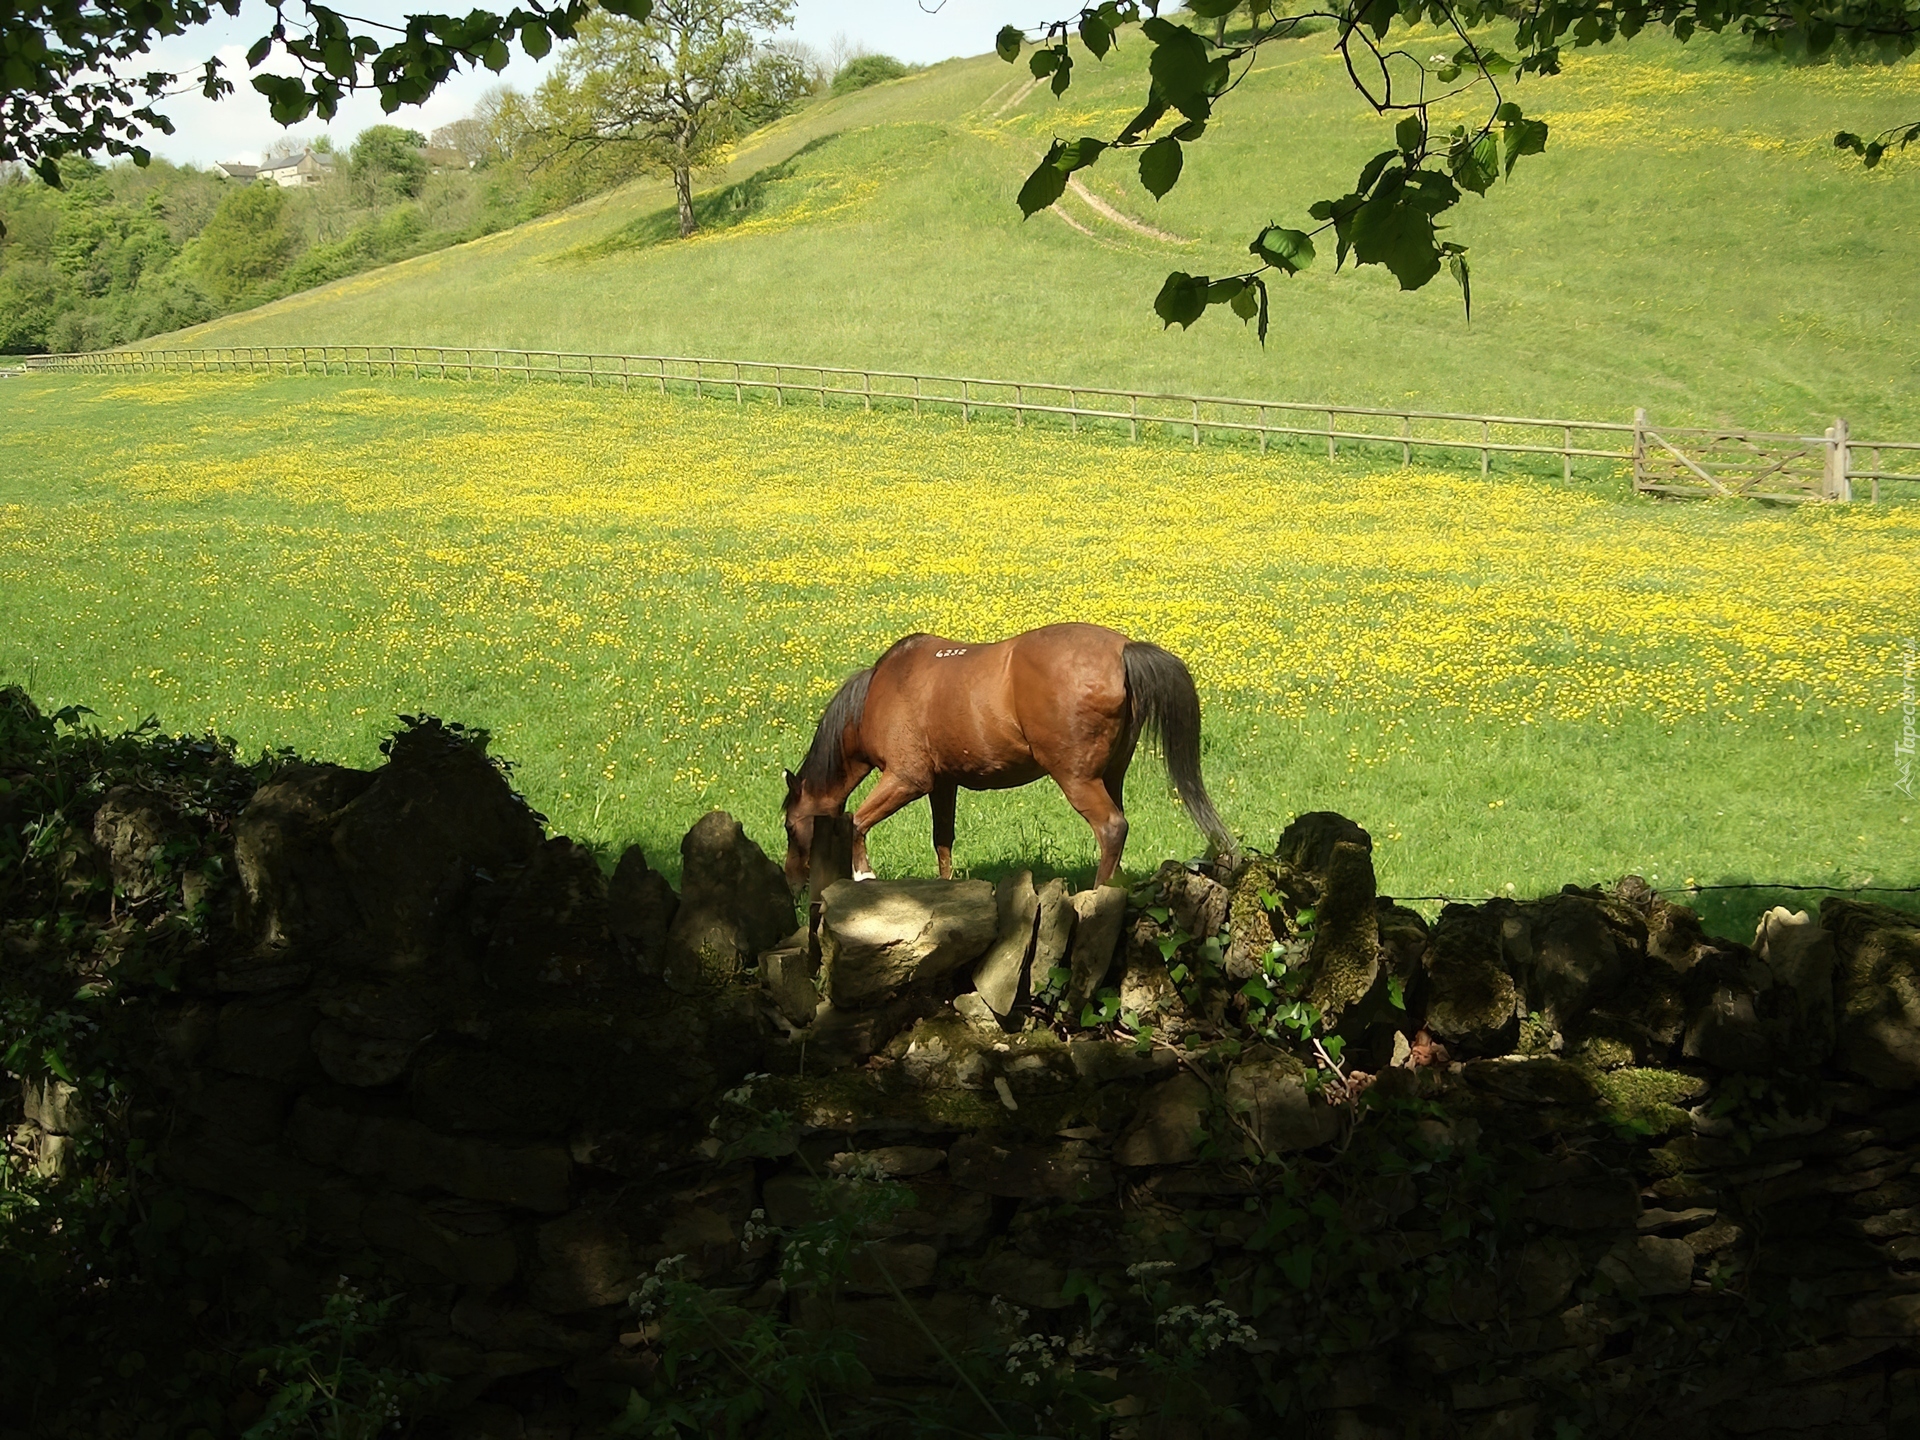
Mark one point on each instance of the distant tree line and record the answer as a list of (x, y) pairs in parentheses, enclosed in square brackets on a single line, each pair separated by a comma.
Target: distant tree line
[(119, 253)]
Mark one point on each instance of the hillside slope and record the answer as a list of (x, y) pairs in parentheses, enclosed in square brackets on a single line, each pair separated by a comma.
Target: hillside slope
[(1690, 242)]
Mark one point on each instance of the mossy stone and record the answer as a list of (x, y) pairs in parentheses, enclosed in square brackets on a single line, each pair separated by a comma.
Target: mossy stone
[(1345, 958), (1472, 1004)]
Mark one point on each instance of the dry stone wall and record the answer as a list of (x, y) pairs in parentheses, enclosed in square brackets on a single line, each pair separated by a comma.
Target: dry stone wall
[(1560, 1167)]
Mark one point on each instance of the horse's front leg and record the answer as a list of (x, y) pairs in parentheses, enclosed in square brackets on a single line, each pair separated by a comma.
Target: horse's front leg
[(886, 797), (945, 801)]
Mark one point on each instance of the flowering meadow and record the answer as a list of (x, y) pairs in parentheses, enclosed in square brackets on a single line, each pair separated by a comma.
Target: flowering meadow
[(1510, 681)]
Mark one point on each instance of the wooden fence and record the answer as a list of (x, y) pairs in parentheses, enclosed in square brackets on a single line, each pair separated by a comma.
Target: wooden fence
[(1663, 460)]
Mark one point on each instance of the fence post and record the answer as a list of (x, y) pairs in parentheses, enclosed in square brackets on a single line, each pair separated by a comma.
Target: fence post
[(1263, 429), (1566, 453), (1406, 448), (1640, 448), (1196, 422), (1133, 411), (1486, 432), (1329, 435), (1875, 494), (1835, 484)]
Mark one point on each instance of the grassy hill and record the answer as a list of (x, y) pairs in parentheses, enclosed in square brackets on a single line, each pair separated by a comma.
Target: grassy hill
[(1690, 242)]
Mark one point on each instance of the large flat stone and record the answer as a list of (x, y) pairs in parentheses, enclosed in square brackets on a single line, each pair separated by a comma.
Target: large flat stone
[(408, 1156), (1879, 990), (1099, 916), (1053, 933), (1166, 1129), (879, 937), (999, 975), (1068, 1171)]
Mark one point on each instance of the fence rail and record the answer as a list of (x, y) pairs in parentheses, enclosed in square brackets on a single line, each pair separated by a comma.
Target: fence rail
[(1659, 457)]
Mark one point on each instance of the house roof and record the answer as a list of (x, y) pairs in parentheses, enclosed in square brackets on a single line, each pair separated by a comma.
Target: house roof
[(293, 162)]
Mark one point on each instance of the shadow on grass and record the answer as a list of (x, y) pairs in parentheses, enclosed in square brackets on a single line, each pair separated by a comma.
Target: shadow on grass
[(714, 210)]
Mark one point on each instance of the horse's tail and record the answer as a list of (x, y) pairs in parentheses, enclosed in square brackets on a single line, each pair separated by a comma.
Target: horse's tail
[(1160, 691)]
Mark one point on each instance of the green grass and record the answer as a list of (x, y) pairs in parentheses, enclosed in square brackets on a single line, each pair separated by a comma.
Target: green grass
[(1690, 242), (648, 600)]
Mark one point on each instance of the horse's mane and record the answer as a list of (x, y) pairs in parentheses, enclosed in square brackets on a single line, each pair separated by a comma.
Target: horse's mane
[(826, 758)]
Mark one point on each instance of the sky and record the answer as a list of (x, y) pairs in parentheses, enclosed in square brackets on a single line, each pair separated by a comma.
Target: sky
[(239, 127)]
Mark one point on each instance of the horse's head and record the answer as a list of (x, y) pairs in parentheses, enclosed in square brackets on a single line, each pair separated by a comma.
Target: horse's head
[(802, 809)]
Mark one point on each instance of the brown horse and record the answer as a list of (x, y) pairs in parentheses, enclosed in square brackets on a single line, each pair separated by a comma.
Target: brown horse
[(933, 715)]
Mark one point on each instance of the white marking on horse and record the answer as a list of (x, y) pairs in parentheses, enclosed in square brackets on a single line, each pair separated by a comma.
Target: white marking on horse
[(943, 654), (864, 875)]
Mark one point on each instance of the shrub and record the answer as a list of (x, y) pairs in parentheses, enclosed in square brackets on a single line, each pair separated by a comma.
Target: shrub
[(864, 70)]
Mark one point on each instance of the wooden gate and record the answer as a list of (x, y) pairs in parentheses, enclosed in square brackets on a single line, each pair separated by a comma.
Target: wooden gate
[(1746, 464)]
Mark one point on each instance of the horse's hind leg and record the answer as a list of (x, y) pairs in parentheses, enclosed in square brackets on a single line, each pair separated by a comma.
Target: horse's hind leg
[(945, 801), (1094, 799)]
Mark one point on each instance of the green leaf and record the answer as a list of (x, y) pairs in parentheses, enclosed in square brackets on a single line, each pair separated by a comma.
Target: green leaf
[(1290, 251), (1520, 135), (1148, 117), (1063, 75), (1475, 162), (1247, 303), (1297, 1266), (262, 48), (1183, 69), (1007, 43), (1160, 165), (1095, 34), (1410, 134), (1457, 267), (1396, 993), (1045, 185), (1373, 170), (535, 40), (1043, 62), (1333, 1045), (1212, 9), (1078, 154), (1191, 130), (1225, 292), (1258, 993), (1182, 300)]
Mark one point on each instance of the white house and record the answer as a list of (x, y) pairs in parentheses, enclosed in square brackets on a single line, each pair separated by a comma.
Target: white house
[(309, 167)]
